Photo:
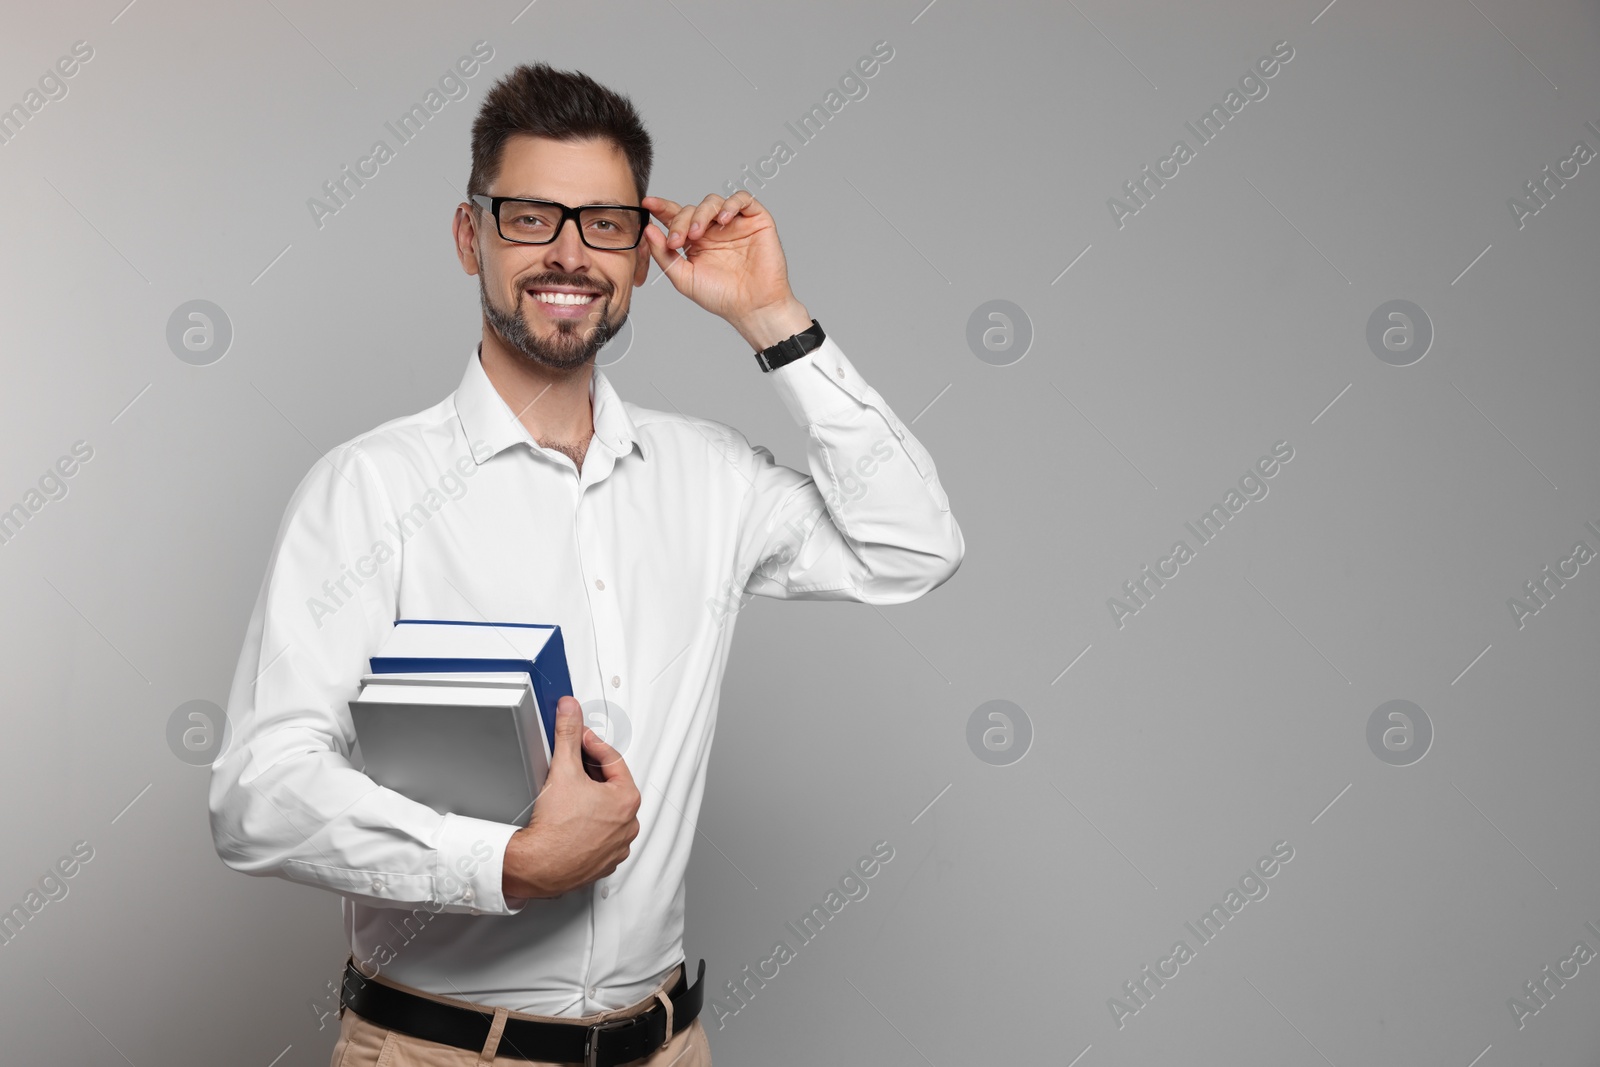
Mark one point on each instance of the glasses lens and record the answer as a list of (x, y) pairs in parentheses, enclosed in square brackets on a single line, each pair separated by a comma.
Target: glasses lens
[(521, 221), (609, 227), (603, 227)]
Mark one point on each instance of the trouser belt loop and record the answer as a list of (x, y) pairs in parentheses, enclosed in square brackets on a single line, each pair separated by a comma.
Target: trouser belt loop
[(492, 1043), (666, 1002)]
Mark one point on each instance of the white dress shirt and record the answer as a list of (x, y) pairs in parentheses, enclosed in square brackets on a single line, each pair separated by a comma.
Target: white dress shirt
[(643, 560)]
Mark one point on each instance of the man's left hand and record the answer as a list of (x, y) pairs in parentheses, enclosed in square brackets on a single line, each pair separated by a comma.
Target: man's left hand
[(733, 265)]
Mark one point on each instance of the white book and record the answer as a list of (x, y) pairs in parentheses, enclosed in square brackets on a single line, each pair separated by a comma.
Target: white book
[(465, 743)]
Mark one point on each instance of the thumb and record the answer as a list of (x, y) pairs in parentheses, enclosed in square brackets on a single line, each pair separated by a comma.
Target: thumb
[(568, 744), (607, 760)]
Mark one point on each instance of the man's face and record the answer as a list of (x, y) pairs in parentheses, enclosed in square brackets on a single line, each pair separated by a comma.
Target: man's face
[(510, 275)]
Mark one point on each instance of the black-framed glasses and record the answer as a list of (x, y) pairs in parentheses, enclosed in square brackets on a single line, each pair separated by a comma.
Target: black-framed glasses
[(608, 227)]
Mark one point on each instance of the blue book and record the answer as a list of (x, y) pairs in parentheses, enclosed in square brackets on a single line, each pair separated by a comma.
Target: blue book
[(438, 646)]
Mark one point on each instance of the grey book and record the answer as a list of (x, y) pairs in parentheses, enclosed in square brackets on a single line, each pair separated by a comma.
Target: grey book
[(466, 744)]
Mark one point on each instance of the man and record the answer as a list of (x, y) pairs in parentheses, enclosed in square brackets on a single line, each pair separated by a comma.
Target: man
[(535, 494)]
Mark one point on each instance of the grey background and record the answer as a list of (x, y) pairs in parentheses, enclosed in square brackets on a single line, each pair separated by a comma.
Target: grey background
[(1230, 313)]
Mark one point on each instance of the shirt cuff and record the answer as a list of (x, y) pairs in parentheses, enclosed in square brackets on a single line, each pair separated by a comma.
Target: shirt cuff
[(819, 384), (469, 866)]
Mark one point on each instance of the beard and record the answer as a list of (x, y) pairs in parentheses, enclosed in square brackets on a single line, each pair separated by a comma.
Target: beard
[(573, 344)]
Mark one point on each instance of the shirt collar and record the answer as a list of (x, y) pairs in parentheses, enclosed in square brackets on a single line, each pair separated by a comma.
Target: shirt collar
[(491, 426)]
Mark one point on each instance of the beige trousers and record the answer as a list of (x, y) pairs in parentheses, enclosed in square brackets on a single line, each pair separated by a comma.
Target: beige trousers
[(365, 1044)]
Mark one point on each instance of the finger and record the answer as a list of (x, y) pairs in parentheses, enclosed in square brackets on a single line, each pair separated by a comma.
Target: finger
[(668, 212), (704, 212), (733, 205), (661, 208), (749, 207), (569, 726), (669, 261), (609, 758), (678, 228)]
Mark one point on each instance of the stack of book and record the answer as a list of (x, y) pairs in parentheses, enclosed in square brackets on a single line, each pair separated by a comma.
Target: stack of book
[(461, 716)]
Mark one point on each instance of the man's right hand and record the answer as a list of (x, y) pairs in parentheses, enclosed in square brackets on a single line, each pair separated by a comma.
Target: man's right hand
[(581, 828)]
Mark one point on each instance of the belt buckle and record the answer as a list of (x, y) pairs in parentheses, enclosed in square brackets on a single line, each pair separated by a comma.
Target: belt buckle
[(591, 1039)]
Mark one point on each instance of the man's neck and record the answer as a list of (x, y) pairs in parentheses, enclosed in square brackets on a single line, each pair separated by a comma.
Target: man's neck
[(552, 405)]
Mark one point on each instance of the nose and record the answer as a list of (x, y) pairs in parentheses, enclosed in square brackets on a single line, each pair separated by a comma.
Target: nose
[(568, 247)]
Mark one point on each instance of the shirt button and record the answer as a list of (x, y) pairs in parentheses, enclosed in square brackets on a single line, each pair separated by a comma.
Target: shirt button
[(598, 584), (475, 911), (616, 681), (377, 885), (466, 895), (592, 992), (605, 891), (839, 371)]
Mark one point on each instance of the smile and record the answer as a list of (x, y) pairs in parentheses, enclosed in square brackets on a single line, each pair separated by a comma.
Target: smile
[(562, 299)]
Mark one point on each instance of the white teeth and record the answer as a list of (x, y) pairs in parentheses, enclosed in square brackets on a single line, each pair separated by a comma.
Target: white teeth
[(564, 298)]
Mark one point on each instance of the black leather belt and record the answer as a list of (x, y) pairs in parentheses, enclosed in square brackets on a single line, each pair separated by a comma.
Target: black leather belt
[(603, 1044)]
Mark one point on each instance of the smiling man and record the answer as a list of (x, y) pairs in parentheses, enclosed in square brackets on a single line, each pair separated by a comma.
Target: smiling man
[(638, 531)]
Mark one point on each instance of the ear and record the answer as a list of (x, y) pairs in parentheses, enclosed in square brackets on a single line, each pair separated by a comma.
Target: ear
[(464, 229)]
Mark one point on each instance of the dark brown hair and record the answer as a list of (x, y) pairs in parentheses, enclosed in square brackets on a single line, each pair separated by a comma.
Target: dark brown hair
[(564, 105)]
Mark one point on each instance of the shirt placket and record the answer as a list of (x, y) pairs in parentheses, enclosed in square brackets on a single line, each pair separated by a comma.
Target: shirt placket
[(599, 577)]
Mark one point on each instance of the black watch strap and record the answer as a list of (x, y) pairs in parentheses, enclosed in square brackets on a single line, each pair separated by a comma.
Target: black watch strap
[(791, 348)]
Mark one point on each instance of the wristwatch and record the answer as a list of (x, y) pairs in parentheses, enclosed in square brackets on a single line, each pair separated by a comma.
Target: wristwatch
[(791, 348)]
